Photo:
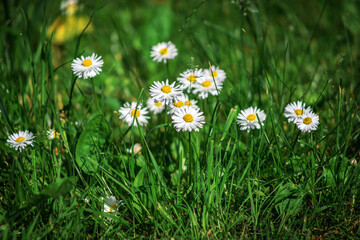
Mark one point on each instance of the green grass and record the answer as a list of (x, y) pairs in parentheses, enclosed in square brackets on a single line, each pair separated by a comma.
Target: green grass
[(275, 183)]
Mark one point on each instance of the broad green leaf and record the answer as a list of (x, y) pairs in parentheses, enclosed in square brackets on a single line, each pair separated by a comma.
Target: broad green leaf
[(288, 199), (55, 189), (139, 179), (92, 143)]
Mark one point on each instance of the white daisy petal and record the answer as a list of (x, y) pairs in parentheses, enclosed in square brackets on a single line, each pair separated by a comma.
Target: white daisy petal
[(215, 73), (188, 119), (87, 67), (164, 92), (204, 86), (293, 111), (155, 107), (188, 78), (163, 51), (181, 102), (251, 118), (129, 112), (20, 140), (308, 121)]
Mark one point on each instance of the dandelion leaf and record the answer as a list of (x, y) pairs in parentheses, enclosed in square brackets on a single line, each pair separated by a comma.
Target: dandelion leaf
[(53, 190)]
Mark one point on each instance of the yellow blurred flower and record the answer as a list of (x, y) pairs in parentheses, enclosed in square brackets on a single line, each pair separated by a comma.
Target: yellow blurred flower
[(67, 27)]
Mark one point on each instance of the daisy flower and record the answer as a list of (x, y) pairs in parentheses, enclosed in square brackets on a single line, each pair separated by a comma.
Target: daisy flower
[(136, 149), (293, 111), (308, 121), (188, 119), (20, 140), (188, 78), (205, 86), (129, 112), (155, 107), (164, 92), (111, 204), (51, 133), (163, 51), (251, 118), (215, 73), (181, 102), (87, 66)]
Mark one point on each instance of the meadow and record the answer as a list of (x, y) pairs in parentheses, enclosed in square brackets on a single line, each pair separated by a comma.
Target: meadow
[(91, 172)]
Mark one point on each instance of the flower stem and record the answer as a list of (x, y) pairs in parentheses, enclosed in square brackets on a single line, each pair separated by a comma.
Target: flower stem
[(167, 70), (96, 98), (190, 163), (164, 139)]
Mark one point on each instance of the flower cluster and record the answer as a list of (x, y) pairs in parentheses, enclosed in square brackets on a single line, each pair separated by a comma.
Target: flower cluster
[(202, 82), (185, 113), (304, 118)]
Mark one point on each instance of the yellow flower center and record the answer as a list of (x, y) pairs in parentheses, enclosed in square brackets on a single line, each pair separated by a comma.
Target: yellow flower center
[(135, 113), (307, 120), (191, 78), (214, 74), (20, 139), (158, 104), (188, 103), (179, 104), (299, 112), (188, 118), (206, 83), (112, 208), (87, 63), (166, 89), (164, 51), (251, 117)]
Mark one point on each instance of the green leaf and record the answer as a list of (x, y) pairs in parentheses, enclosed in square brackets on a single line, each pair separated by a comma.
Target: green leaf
[(288, 199), (139, 179), (92, 143), (53, 190)]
